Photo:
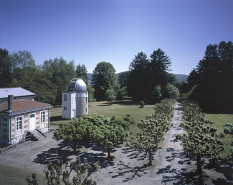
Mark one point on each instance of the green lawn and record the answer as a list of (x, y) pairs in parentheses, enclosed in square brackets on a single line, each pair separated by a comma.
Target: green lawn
[(103, 107), (11, 176), (137, 113), (220, 120)]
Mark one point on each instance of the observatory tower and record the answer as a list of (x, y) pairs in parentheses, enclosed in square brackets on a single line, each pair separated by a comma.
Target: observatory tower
[(75, 100)]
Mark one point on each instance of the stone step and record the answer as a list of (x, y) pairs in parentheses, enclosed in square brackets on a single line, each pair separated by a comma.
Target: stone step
[(37, 135)]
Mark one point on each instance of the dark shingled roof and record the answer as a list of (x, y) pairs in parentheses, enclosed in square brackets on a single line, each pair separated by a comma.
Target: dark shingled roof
[(20, 105)]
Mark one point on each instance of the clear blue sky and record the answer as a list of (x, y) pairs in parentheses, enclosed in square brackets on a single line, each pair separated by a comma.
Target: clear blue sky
[(91, 31)]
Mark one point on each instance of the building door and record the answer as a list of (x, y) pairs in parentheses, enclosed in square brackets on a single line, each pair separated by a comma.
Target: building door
[(32, 122)]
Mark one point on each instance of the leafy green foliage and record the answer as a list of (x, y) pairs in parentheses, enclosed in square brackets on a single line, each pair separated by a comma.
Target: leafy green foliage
[(5, 68), (47, 81), (141, 104), (122, 121), (108, 132), (62, 73), (202, 139), (101, 130), (108, 135), (110, 95), (81, 71), (138, 77), (103, 79), (154, 128), (172, 92), (212, 77), (228, 129), (74, 131), (148, 78)]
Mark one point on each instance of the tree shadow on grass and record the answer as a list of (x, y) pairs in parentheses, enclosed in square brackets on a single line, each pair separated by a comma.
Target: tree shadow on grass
[(55, 118), (104, 104), (130, 172)]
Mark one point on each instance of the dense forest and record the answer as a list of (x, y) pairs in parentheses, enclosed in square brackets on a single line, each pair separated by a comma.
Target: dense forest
[(210, 83)]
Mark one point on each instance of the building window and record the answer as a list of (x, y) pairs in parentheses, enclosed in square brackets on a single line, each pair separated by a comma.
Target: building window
[(19, 123), (65, 97), (42, 117), (32, 115), (65, 108), (4, 119)]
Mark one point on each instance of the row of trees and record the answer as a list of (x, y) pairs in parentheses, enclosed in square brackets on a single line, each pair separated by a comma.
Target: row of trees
[(211, 81), (104, 132), (153, 128), (47, 81), (147, 79), (201, 138)]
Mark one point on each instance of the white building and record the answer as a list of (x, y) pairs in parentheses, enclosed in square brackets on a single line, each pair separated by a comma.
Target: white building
[(75, 100)]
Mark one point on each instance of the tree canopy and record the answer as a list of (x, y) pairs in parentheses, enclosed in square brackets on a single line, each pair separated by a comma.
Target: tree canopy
[(153, 128), (201, 139), (5, 68), (81, 71), (149, 79), (213, 76), (104, 78)]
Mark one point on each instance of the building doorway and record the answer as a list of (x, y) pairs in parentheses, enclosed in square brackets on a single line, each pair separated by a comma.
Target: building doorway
[(32, 122)]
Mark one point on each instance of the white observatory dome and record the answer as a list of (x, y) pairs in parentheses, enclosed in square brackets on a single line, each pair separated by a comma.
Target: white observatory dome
[(77, 84)]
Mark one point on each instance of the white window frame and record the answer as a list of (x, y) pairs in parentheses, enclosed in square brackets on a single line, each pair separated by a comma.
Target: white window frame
[(42, 117), (19, 123)]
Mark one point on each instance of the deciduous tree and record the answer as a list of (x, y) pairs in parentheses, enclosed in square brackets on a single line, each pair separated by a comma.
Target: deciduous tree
[(104, 78), (202, 139)]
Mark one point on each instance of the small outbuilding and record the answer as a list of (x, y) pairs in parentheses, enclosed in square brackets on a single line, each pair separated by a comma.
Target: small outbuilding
[(75, 100), (23, 116)]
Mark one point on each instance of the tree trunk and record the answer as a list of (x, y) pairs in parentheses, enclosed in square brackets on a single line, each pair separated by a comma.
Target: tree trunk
[(199, 167), (150, 158), (109, 149), (75, 146)]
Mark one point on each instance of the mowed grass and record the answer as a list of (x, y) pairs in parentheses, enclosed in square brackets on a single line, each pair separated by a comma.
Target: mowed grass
[(220, 120), (16, 176), (136, 112), (118, 109)]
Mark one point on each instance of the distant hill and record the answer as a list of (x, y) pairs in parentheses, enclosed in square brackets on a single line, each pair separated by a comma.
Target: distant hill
[(179, 77)]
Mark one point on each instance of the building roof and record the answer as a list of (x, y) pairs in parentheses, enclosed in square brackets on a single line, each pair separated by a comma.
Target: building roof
[(15, 91), (77, 84), (21, 106)]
